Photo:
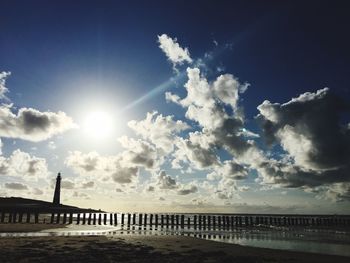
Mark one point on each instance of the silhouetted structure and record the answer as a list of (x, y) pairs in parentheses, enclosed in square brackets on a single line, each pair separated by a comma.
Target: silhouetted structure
[(56, 197)]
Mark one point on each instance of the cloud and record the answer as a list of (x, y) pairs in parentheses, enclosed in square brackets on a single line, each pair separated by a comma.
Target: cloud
[(175, 54), (187, 189), (88, 185), (3, 89), (32, 125), (309, 130), (140, 153), (37, 191), (159, 130), (21, 164), (118, 167), (51, 145), (165, 181), (67, 184), (16, 186)]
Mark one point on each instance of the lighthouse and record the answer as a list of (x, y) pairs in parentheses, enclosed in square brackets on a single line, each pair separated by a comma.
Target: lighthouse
[(56, 197)]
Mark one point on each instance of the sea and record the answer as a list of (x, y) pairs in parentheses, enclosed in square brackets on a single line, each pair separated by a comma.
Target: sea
[(322, 240)]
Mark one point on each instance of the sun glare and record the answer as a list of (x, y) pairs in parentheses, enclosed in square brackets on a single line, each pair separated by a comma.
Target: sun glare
[(98, 124)]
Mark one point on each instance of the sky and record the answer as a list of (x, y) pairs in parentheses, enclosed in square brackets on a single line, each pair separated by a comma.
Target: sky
[(177, 106)]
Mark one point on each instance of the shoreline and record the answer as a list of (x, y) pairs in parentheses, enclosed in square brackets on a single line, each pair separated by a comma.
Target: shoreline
[(134, 248)]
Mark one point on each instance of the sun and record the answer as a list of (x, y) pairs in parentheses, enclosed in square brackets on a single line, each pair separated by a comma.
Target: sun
[(99, 124)]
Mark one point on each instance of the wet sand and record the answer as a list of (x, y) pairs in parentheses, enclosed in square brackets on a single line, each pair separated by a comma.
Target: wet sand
[(25, 228), (135, 248)]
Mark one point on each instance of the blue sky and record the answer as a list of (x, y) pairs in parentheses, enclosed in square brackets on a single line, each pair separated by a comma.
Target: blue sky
[(102, 65)]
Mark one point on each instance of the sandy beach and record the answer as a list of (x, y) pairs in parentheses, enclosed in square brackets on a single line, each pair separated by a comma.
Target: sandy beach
[(136, 248)]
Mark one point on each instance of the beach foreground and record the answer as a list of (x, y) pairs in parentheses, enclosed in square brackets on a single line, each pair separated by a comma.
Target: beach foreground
[(136, 248)]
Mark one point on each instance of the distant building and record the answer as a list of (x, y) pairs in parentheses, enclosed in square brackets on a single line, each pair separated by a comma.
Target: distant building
[(56, 197)]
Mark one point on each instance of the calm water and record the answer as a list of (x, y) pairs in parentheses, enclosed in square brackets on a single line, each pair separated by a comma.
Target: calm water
[(324, 241)]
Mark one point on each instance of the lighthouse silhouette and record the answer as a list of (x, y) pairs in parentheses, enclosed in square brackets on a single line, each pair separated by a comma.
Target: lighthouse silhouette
[(56, 197)]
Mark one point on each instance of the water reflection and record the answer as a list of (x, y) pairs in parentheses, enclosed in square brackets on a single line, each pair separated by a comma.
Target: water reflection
[(308, 240)]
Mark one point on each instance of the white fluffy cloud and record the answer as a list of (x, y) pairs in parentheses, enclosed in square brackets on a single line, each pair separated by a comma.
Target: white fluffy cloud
[(21, 164), (92, 165), (176, 54), (159, 130), (3, 89)]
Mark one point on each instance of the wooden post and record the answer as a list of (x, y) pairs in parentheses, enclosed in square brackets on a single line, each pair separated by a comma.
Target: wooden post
[(70, 218), (84, 218), (36, 219), (188, 222), (145, 220), (162, 221), (151, 220), (177, 220), (122, 219), (140, 219), (99, 218), (204, 222), (105, 219), (200, 222), (115, 219), (172, 221), (195, 222), (156, 219), (10, 218), (133, 219), (78, 219), (3, 214), (58, 218), (89, 219), (14, 219), (94, 219), (64, 218), (209, 222), (111, 219), (182, 221), (20, 217), (167, 221)]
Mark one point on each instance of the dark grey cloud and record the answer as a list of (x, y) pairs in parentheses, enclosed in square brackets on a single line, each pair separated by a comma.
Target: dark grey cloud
[(309, 129), (16, 186), (88, 185), (32, 125), (185, 190)]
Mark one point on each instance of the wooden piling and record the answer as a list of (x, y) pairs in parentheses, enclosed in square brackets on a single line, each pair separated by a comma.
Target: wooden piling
[(145, 220), (156, 220), (58, 218), (84, 218), (70, 218), (65, 218), (99, 218), (122, 220), (140, 219), (94, 219), (162, 221), (167, 220), (89, 218), (133, 219), (129, 219), (151, 220), (195, 222), (20, 217), (3, 214), (36, 218), (78, 218), (111, 219), (115, 219)]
